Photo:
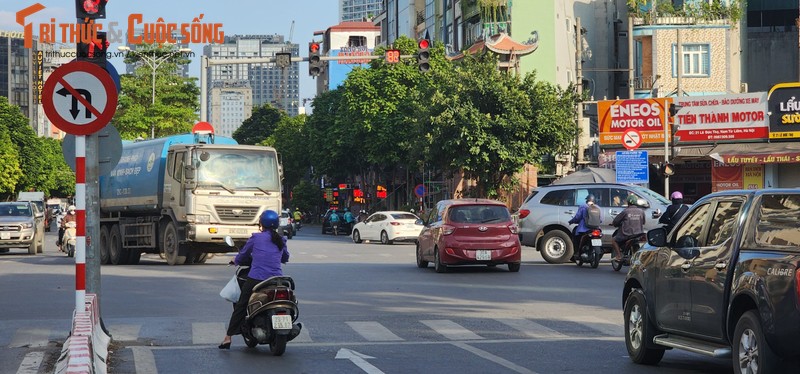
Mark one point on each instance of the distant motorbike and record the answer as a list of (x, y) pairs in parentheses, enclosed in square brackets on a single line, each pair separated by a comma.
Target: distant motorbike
[(271, 312), (591, 248), (628, 248), (70, 238)]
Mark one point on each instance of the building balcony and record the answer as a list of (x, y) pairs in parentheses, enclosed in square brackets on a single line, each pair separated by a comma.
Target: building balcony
[(677, 20), (644, 83)]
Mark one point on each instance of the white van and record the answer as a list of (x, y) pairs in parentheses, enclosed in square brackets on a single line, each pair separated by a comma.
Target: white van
[(37, 197)]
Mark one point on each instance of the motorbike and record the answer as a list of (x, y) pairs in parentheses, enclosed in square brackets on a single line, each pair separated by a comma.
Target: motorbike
[(70, 238), (628, 248), (272, 311), (591, 248)]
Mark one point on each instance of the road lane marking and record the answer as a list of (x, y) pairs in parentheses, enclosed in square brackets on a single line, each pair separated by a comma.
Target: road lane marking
[(373, 331), (207, 332), (451, 330), (359, 359), (493, 358), (304, 337), (530, 328), (31, 338), (124, 333), (598, 324), (144, 361), (30, 364)]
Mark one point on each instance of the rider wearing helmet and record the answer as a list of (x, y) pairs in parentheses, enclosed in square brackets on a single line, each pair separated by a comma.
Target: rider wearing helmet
[(581, 219), (674, 212), (631, 225), (265, 251), (69, 217)]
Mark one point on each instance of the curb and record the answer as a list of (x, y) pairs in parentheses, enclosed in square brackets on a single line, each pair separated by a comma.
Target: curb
[(86, 349)]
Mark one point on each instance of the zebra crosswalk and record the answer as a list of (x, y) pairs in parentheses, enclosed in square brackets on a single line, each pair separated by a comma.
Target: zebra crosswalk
[(173, 331)]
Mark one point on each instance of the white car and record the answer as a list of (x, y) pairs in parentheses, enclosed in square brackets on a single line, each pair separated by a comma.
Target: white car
[(388, 227)]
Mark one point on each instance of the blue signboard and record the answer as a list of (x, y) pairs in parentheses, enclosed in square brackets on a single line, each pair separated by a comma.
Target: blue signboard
[(632, 167)]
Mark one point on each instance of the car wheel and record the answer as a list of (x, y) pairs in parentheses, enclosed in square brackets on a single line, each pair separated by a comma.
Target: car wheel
[(385, 238), (514, 267), (437, 262), (32, 248), (556, 247), (40, 246), (422, 264), (751, 353), (356, 237), (639, 331)]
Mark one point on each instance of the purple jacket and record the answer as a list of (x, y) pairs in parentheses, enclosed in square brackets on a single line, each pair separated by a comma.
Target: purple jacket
[(580, 219), (266, 257)]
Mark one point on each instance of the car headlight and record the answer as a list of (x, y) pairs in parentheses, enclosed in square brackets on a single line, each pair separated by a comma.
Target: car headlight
[(27, 225), (198, 218)]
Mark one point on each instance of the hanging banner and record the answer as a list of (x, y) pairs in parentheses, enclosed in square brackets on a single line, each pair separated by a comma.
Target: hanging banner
[(722, 118), (753, 178), (647, 116), (726, 177)]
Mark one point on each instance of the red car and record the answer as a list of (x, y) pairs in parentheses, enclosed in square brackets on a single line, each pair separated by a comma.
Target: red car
[(469, 232)]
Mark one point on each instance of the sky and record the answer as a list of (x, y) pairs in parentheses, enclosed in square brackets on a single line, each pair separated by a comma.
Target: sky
[(236, 16)]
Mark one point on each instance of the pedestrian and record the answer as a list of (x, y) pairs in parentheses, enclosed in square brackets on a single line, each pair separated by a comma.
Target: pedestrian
[(265, 251)]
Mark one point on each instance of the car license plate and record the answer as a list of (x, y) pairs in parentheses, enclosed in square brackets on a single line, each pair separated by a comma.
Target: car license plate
[(483, 255), (238, 231), (5, 235), (597, 243), (282, 322)]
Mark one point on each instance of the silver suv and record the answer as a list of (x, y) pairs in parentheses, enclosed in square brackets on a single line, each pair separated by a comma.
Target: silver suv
[(21, 226), (544, 215)]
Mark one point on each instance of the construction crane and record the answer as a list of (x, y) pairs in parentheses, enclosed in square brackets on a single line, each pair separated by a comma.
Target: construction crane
[(291, 33)]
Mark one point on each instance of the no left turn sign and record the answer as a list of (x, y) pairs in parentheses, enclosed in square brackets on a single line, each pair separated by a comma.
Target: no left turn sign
[(631, 139), (79, 98)]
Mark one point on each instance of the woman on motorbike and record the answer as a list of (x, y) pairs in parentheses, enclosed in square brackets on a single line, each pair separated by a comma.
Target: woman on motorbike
[(265, 251)]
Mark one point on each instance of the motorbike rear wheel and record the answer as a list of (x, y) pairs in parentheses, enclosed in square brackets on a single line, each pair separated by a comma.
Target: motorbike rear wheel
[(616, 265), (596, 256), (70, 250), (278, 345)]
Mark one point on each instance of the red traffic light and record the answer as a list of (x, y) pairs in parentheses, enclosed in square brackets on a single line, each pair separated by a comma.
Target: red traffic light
[(424, 44), (313, 47), (91, 6)]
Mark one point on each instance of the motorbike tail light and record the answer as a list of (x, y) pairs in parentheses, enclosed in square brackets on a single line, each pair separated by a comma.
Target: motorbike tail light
[(524, 213), (395, 223), (281, 295), (513, 228), (447, 229), (597, 233)]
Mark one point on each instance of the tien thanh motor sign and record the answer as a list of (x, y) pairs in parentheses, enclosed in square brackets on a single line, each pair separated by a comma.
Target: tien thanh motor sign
[(80, 98)]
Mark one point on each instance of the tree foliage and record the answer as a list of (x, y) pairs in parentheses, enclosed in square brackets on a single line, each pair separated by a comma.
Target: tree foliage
[(260, 125), (176, 98)]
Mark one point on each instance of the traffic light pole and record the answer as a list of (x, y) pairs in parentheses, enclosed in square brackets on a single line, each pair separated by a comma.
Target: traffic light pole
[(206, 62)]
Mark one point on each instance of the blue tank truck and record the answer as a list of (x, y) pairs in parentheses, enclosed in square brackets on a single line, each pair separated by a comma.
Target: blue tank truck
[(179, 196)]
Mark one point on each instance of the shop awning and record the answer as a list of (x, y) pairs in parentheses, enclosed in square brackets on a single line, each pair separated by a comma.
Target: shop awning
[(682, 151), (756, 153)]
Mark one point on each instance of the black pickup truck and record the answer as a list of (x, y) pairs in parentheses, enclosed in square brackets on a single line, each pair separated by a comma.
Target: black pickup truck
[(725, 282)]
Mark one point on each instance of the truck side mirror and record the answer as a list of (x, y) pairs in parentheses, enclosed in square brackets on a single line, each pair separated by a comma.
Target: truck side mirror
[(189, 172), (657, 237)]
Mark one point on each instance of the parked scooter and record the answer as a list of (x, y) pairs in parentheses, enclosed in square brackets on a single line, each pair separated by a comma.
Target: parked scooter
[(271, 313), (70, 238), (591, 248), (628, 249)]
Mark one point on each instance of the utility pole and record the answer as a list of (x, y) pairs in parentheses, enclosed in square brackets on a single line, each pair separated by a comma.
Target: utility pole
[(678, 93), (579, 87), (630, 57)]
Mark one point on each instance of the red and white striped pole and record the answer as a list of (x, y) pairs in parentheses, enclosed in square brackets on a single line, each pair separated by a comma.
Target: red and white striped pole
[(80, 220)]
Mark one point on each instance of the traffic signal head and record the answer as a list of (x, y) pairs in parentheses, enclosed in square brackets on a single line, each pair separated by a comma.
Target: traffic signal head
[(91, 9), (314, 61), (423, 55), (94, 51)]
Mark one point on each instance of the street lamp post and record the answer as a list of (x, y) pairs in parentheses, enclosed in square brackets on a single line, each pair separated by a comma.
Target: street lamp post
[(154, 63)]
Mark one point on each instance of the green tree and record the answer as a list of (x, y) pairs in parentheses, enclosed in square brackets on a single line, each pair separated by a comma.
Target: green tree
[(176, 98), (290, 141), (306, 196), (28, 147), (10, 172), (260, 125)]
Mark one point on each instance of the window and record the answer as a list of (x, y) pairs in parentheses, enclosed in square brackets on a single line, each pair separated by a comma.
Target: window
[(564, 197), (779, 221), (178, 172), (723, 222), (600, 195), (688, 234), (696, 60)]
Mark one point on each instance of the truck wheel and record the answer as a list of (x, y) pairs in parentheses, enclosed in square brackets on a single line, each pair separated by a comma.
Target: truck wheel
[(751, 353), (171, 246), (639, 331), (556, 247), (117, 255), (104, 255)]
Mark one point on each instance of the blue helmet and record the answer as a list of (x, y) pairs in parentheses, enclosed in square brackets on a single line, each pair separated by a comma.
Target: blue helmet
[(269, 219)]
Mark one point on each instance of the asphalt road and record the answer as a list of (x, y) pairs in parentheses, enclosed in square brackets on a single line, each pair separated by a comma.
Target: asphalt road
[(366, 308)]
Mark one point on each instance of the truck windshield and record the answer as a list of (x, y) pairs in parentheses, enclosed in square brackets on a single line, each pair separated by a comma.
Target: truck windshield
[(238, 169)]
